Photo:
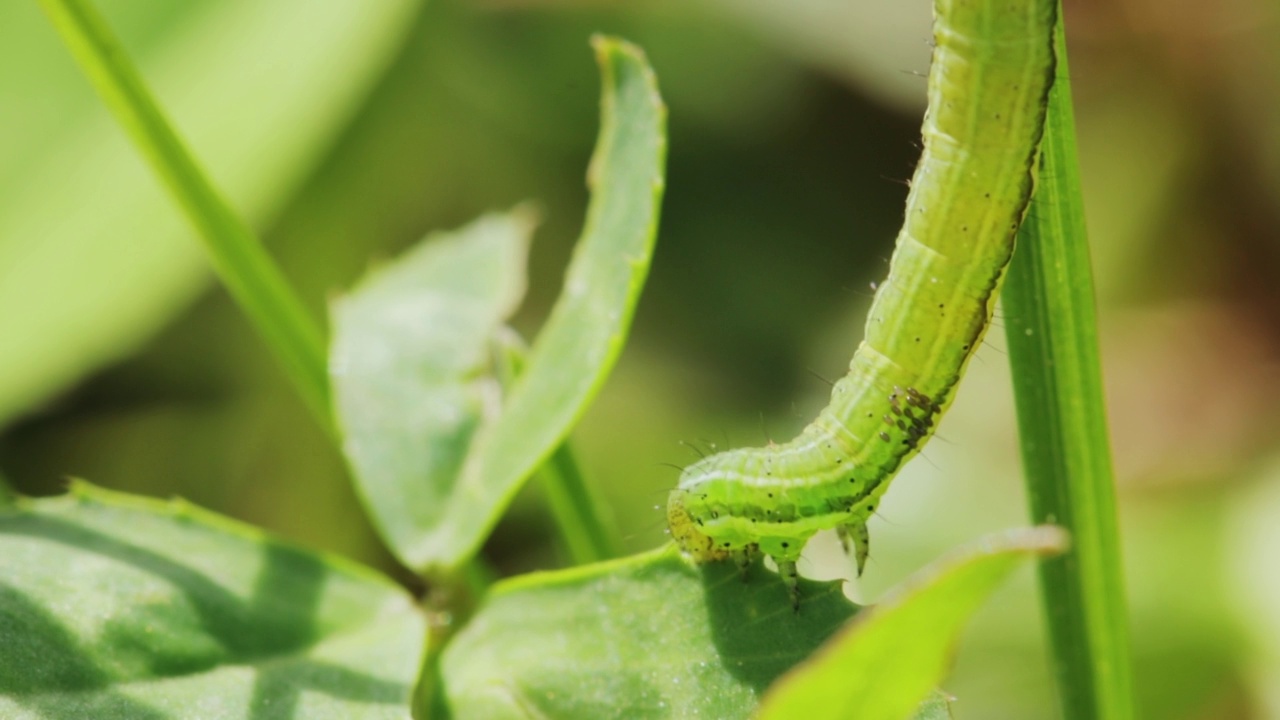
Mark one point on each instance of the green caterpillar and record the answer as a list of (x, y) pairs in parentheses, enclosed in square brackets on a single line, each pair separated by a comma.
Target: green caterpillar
[(993, 65)]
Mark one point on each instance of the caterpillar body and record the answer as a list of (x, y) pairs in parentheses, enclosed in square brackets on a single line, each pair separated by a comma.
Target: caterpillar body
[(992, 67)]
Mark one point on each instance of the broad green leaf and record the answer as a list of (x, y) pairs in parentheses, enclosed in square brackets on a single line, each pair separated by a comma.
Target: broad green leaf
[(648, 636), (573, 354), (412, 371), (118, 607), (258, 89), (882, 665)]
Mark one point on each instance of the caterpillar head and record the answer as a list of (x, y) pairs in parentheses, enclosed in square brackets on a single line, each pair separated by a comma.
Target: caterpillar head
[(686, 534)]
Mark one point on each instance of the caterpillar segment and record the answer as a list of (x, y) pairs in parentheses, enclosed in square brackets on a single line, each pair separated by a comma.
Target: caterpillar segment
[(992, 68)]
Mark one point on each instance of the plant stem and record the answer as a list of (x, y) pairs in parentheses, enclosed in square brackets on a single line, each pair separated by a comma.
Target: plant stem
[(1053, 350), (578, 515), (239, 259)]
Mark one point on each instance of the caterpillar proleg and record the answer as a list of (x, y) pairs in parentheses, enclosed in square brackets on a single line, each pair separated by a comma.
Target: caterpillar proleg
[(992, 67)]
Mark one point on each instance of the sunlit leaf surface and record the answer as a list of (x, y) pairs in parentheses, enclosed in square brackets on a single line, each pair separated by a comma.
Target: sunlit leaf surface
[(412, 372), (115, 607), (648, 636)]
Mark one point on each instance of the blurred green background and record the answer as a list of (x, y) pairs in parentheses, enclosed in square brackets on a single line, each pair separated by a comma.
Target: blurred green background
[(346, 130)]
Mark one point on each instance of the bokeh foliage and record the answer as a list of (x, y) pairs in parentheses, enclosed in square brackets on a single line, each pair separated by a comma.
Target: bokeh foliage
[(784, 191)]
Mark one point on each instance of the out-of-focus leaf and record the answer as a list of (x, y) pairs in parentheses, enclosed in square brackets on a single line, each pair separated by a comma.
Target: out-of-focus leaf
[(93, 255), (412, 372), (113, 606), (578, 346), (935, 707), (1249, 561), (882, 665), (882, 45), (648, 636)]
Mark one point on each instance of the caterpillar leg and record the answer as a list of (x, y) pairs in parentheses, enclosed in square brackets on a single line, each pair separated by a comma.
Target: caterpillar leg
[(856, 533), (790, 578), (742, 558)]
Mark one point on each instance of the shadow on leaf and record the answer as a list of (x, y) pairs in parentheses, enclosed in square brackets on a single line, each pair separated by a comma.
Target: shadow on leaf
[(754, 628), (274, 630)]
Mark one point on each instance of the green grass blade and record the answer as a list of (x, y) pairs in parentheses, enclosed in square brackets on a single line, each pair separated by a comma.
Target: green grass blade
[(580, 516), (1053, 349), (248, 272)]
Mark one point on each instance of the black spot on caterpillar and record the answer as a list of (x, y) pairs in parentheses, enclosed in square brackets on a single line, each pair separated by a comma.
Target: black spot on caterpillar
[(993, 65)]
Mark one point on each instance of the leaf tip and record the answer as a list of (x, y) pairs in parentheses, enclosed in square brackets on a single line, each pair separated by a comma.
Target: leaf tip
[(606, 45), (527, 216)]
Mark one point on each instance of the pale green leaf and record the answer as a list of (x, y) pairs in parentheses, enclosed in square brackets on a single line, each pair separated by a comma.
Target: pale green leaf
[(117, 607), (885, 663), (573, 354), (648, 636), (412, 370)]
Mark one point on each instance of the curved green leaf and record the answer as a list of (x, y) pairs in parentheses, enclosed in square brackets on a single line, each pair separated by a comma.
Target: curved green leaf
[(578, 346), (412, 372), (881, 666), (114, 606), (257, 89), (648, 636)]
